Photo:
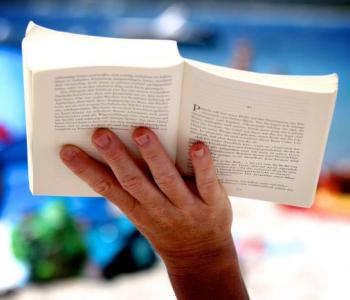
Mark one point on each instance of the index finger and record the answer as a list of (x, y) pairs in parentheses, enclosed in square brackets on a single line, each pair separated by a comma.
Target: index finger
[(98, 177)]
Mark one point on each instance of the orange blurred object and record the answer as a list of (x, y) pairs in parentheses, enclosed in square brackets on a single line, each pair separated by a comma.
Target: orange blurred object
[(332, 196)]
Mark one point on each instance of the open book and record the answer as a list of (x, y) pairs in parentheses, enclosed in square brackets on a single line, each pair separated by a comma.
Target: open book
[(267, 133)]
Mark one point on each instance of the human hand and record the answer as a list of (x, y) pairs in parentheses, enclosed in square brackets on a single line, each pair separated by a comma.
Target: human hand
[(188, 222)]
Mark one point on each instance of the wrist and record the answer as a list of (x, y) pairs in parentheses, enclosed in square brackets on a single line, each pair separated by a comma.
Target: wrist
[(214, 257), (212, 273)]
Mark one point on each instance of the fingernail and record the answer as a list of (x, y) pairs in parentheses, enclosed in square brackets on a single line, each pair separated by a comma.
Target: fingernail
[(69, 154), (142, 139), (199, 152), (103, 141)]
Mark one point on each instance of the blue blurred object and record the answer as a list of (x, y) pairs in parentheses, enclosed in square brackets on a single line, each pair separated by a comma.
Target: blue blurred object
[(117, 248), (11, 91), (136, 255), (108, 238)]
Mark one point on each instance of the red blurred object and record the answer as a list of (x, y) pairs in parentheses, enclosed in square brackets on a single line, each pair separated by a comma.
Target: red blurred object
[(253, 245), (337, 180), (5, 136)]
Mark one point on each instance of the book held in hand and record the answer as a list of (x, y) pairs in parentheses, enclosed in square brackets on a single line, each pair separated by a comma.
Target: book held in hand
[(267, 133)]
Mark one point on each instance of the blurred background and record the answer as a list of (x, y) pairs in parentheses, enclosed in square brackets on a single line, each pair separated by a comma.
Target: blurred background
[(83, 248)]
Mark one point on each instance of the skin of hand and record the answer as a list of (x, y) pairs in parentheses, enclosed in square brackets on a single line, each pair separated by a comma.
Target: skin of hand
[(187, 221)]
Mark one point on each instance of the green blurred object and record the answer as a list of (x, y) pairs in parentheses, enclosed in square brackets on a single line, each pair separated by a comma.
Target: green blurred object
[(50, 243)]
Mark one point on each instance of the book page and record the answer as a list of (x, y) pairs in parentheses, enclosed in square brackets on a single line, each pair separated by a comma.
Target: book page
[(47, 49), (267, 142), (27, 80), (69, 104)]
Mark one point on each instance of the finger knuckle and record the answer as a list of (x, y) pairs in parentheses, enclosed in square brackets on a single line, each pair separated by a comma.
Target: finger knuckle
[(103, 187), (206, 169), (117, 157), (151, 155), (131, 207), (160, 217), (80, 171), (131, 183), (166, 180), (208, 184)]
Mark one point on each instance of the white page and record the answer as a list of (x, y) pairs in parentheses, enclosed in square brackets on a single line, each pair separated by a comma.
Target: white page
[(48, 49), (69, 104), (319, 83), (268, 143)]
